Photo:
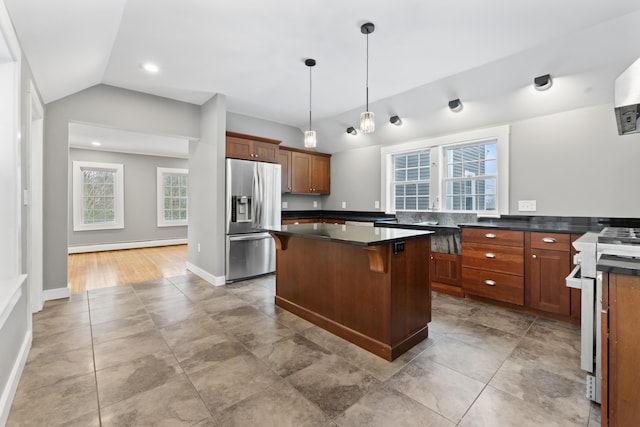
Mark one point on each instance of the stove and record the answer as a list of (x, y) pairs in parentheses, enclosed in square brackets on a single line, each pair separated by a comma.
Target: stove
[(620, 241), (620, 235)]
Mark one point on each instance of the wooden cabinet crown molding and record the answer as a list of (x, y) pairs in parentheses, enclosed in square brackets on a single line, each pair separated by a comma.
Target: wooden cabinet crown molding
[(253, 138), (299, 150)]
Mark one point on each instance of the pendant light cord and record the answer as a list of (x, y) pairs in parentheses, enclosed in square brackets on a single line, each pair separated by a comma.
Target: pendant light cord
[(367, 80), (310, 98)]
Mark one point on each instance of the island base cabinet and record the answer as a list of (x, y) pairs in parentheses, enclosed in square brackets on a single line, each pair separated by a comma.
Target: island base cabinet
[(368, 295), (620, 350)]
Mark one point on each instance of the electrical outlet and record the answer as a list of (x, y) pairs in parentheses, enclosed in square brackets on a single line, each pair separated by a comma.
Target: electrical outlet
[(527, 205), (285, 205), (315, 203), (344, 205), (376, 204)]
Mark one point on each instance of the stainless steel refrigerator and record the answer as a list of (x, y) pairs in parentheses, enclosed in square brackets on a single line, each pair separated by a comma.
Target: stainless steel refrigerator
[(253, 203)]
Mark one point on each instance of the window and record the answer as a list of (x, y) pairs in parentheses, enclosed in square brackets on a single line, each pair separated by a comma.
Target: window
[(98, 196), (411, 180), (172, 197), (464, 172), (470, 183)]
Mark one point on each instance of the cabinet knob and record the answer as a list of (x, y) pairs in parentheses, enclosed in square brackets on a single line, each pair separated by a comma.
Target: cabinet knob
[(490, 255), (490, 236), (534, 256), (490, 282), (431, 257)]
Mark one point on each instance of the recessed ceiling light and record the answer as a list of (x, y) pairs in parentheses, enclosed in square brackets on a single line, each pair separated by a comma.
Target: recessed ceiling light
[(151, 68), (96, 143)]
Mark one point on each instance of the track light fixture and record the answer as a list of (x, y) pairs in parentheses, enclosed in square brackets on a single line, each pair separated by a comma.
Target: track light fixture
[(455, 105), (352, 131), (367, 123), (310, 135), (543, 82), (395, 120)]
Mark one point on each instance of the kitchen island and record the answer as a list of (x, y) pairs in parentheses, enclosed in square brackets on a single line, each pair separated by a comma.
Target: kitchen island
[(368, 285)]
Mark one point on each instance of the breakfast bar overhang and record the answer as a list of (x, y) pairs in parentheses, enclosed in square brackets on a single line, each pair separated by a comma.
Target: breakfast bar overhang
[(368, 285)]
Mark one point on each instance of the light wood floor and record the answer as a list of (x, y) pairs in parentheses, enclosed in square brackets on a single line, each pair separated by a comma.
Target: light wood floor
[(95, 270)]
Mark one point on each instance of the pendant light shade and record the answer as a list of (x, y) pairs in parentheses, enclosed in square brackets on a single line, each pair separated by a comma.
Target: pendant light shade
[(367, 119), (310, 135)]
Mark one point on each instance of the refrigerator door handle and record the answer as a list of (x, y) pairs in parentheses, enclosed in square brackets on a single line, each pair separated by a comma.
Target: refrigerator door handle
[(251, 236)]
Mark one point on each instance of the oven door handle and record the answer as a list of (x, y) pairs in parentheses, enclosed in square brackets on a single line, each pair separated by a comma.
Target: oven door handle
[(574, 279)]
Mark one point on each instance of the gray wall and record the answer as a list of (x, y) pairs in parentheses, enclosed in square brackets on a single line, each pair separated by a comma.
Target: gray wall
[(575, 164), (140, 199), (103, 105), (206, 249), (355, 179), (572, 163)]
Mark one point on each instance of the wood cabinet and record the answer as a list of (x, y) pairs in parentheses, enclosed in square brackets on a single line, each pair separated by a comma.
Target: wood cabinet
[(548, 264), (493, 264), (247, 147), (284, 158), (446, 273), (310, 172), (620, 350)]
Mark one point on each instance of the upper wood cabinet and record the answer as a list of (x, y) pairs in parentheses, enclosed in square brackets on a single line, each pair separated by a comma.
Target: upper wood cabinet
[(310, 172), (247, 147), (284, 158)]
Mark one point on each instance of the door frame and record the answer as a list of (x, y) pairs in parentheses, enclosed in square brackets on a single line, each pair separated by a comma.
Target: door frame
[(34, 200)]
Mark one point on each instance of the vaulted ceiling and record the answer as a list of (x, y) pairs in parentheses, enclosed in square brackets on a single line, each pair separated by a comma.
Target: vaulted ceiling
[(422, 54)]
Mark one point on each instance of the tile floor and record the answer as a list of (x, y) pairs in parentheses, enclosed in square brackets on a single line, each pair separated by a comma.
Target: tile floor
[(178, 351)]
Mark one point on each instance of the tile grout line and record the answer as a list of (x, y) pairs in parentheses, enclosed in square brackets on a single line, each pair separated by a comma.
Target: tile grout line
[(496, 372), (93, 356)]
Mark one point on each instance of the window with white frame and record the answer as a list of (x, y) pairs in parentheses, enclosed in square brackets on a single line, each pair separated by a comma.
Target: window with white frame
[(471, 178), (98, 196), (411, 180), (464, 172), (172, 197)]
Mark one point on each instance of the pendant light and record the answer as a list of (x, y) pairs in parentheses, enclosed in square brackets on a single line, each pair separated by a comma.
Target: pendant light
[(367, 123), (310, 135)]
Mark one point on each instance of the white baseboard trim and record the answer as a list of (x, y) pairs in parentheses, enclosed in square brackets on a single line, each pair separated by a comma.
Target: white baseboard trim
[(58, 293), (125, 245), (214, 280), (9, 392)]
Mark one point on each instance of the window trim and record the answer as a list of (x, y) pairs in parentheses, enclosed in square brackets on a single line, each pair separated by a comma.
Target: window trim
[(499, 133), (78, 219), (161, 222)]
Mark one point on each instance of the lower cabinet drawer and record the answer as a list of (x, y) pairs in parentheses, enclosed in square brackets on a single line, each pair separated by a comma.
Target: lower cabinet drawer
[(497, 286), (505, 259)]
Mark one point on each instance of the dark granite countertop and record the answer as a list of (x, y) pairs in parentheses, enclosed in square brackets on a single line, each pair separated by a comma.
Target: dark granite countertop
[(619, 265), (350, 234), (545, 224), (344, 215), (416, 225)]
